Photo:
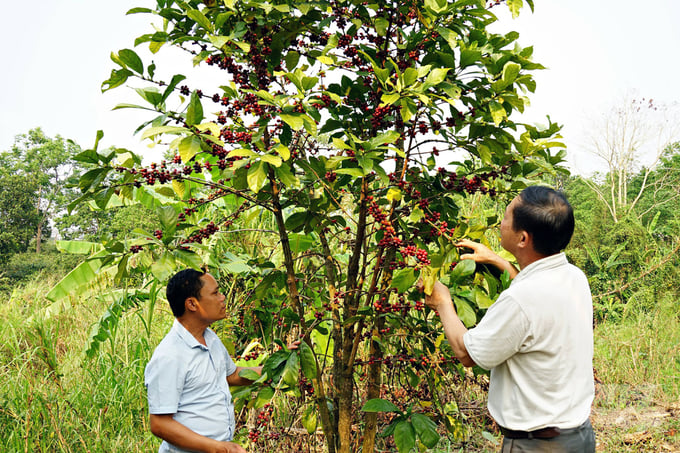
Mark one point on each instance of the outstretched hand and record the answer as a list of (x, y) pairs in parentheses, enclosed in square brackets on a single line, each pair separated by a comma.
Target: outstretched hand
[(480, 252), (484, 255)]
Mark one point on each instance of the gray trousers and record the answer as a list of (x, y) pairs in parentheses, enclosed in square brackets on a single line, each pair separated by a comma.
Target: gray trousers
[(577, 440)]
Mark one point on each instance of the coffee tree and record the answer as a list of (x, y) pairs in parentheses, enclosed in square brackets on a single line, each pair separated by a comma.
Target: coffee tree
[(353, 136)]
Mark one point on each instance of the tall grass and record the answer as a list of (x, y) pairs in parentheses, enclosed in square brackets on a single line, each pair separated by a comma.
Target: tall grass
[(54, 399)]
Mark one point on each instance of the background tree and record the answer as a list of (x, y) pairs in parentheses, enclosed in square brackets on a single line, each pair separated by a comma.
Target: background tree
[(18, 217), (360, 141), (47, 162), (631, 137)]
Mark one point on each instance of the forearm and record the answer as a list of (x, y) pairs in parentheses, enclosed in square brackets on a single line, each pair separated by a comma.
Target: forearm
[(175, 433), (236, 380), (504, 265), (454, 329)]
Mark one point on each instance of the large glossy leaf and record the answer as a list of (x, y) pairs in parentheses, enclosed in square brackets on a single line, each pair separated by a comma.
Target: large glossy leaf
[(379, 405), (195, 110), (257, 176), (131, 60), (307, 361), (78, 247), (404, 436), (291, 371), (426, 430), (404, 279), (465, 312), (463, 269), (78, 280), (309, 419)]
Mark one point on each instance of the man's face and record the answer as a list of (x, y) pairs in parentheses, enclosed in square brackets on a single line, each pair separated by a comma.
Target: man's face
[(509, 237), (211, 304)]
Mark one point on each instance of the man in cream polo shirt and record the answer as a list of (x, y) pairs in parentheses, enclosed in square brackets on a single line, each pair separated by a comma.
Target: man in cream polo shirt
[(537, 338)]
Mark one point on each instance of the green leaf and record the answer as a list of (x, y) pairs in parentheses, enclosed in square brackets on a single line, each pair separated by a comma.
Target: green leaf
[(426, 430), (167, 216), (78, 247), (283, 151), (437, 6), (379, 405), (436, 76), (78, 280), (189, 147), (497, 112), (465, 312), (408, 109), (404, 279), (404, 436), (131, 60), (195, 110), (158, 130), (188, 258), (515, 6), (463, 269), (381, 25), (389, 99), (164, 266), (292, 58), (481, 298), (410, 76), (117, 78), (294, 121), (249, 374), (309, 419), (200, 18), (264, 396), (286, 176), (510, 72), (271, 159), (291, 371), (300, 242), (307, 361), (257, 176)]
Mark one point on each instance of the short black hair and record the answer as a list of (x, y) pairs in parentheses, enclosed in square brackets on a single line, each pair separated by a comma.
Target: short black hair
[(547, 216), (184, 284)]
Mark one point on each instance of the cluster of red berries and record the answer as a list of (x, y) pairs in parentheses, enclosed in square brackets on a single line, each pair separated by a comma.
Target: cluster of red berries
[(404, 360), (229, 136), (250, 356), (158, 234), (136, 248), (202, 234), (382, 305), (418, 253), (261, 423)]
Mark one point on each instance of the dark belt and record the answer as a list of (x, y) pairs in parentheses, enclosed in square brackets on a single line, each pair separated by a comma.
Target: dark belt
[(543, 433)]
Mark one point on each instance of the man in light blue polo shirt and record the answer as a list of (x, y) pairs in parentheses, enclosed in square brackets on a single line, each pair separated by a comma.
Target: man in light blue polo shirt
[(189, 374)]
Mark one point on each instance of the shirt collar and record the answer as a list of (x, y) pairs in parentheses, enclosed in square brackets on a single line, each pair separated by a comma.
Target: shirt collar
[(549, 262), (186, 336)]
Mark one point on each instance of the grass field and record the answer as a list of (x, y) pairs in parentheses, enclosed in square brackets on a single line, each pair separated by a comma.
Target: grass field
[(54, 399)]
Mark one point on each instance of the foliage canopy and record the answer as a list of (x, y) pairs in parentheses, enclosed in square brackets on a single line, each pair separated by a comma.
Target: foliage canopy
[(334, 162)]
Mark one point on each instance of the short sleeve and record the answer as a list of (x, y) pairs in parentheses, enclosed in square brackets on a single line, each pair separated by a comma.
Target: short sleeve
[(499, 335), (231, 366), (164, 380)]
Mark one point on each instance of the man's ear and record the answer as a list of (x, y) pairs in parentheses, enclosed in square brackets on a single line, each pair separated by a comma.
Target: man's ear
[(191, 304), (525, 240)]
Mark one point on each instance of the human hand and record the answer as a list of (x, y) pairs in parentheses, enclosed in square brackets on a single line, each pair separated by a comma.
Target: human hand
[(226, 447), (480, 252), (294, 345), (440, 296)]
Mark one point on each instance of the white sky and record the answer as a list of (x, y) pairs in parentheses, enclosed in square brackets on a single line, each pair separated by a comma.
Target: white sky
[(55, 56)]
